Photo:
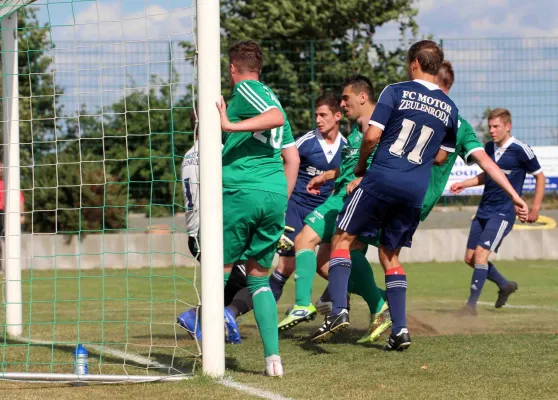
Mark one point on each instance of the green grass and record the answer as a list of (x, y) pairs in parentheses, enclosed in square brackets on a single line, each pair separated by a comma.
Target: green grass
[(510, 353)]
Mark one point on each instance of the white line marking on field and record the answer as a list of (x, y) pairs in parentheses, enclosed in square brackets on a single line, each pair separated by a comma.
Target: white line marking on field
[(264, 394)]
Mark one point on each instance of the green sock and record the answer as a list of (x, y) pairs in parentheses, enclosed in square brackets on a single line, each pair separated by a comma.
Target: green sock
[(304, 272), (364, 285), (265, 312), (227, 275)]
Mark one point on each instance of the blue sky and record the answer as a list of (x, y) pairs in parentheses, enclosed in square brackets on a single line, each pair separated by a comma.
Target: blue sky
[(490, 43)]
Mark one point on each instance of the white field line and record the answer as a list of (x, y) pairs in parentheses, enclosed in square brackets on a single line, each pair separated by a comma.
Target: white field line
[(228, 382)]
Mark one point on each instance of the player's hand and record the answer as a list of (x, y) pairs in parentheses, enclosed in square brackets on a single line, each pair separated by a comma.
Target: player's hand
[(285, 244), (522, 210), (225, 123), (533, 216), (457, 187), (353, 185), (360, 170), (314, 185)]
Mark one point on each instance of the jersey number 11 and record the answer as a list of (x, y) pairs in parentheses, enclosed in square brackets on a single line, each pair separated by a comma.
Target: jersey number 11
[(398, 147)]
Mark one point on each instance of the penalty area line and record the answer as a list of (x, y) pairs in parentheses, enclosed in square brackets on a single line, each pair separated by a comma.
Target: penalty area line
[(264, 394)]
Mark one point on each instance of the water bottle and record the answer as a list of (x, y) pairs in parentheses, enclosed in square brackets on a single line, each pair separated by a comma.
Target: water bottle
[(81, 366)]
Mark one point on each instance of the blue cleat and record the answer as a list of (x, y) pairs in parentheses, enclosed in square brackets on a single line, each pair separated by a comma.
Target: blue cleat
[(231, 328), (190, 320)]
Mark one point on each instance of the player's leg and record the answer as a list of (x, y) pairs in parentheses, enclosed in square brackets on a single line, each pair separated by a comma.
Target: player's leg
[(364, 284), (495, 230), (270, 210), (305, 243), (477, 227), (352, 220), (400, 225), (280, 275), (238, 301), (190, 319)]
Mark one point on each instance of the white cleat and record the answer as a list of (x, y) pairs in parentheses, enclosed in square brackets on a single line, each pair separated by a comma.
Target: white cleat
[(273, 366)]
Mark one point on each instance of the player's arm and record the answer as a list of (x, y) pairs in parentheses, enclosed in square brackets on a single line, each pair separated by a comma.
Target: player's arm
[(316, 182), (458, 187), (531, 165), (540, 185), (449, 143), (441, 157), (269, 119), (291, 162), (376, 126)]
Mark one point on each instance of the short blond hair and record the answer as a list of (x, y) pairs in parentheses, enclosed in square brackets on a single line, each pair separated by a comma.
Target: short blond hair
[(501, 113)]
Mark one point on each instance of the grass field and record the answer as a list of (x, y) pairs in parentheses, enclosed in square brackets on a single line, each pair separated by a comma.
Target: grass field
[(510, 353)]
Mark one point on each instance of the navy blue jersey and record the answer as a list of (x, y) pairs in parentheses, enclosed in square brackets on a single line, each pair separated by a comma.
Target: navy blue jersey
[(316, 157), (417, 119), (515, 159)]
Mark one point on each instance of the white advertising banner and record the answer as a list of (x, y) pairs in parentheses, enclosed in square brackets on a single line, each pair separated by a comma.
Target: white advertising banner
[(547, 156)]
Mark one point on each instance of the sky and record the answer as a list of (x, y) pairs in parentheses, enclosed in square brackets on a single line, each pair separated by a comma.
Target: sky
[(504, 52)]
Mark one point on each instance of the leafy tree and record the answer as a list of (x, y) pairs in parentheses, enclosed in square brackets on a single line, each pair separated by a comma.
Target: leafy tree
[(483, 133), (310, 47)]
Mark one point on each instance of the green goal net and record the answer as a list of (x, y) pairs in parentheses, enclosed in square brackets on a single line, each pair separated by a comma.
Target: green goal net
[(97, 100)]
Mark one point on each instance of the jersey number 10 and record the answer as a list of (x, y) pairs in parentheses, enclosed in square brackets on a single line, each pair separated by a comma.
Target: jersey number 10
[(398, 147), (275, 138)]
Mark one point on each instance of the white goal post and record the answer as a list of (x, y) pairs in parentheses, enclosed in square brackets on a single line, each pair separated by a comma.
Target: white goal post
[(207, 43)]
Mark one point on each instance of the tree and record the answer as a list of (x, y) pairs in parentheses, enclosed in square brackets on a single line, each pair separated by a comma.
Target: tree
[(483, 133), (310, 47)]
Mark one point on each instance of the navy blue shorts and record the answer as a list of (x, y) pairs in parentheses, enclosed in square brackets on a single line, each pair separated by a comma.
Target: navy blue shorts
[(489, 233), (296, 213), (365, 214)]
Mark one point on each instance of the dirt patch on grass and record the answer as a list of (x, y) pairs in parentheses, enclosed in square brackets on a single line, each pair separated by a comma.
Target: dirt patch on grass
[(426, 323)]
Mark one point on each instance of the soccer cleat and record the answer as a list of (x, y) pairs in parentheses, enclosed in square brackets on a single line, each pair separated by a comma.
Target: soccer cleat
[(467, 311), (379, 322), (333, 323), (399, 342), (190, 320), (504, 293), (231, 328), (323, 307), (296, 315), (273, 366)]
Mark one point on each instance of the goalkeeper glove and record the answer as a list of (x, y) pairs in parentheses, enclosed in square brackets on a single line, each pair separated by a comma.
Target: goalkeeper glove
[(285, 244)]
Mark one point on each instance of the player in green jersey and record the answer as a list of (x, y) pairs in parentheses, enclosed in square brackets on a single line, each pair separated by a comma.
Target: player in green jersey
[(256, 184), (358, 104)]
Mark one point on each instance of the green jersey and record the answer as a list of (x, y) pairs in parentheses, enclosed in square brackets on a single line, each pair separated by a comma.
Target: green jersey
[(467, 143), (349, 158), (252, 160)]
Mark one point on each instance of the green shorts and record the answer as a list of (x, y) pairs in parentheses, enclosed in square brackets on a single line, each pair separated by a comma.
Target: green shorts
[(323, 220), (253, 222)]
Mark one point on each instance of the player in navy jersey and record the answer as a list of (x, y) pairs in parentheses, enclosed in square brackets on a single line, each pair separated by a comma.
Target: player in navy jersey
[(413, 125), (496, 214), (319, 151)]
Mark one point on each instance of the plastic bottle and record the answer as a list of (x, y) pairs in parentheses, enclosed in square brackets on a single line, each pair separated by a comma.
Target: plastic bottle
[(81, 365)]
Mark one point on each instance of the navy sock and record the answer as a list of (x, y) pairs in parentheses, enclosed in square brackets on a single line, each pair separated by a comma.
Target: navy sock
[(396, 291), (339, 272), (496, 277), (276, 282), (477, 282)]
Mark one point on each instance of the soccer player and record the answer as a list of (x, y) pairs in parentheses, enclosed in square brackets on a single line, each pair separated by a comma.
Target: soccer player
[(319, 151), (238, 300), (495, 216), (358, 103), (256, 135), (413, 124)]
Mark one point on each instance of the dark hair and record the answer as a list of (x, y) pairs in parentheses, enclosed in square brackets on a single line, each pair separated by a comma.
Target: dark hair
[(446, 76), (330, 100), (359, 84), (428, 54), (247, 56)]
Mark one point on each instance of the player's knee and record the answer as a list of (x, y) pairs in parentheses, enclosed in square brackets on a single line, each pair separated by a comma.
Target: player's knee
[(306, 239), (469, 258)]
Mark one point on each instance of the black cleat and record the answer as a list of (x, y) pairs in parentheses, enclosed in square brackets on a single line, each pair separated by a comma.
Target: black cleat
[(467, 311), (398, 342), (333, 323), (504, 293)]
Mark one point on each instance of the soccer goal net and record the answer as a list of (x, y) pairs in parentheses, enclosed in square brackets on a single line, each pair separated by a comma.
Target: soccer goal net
[(98, 111)]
